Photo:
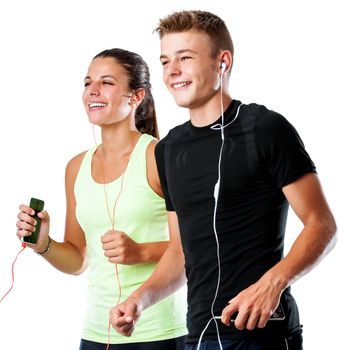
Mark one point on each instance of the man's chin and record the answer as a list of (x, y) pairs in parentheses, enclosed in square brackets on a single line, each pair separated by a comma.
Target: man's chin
[(183, 103)]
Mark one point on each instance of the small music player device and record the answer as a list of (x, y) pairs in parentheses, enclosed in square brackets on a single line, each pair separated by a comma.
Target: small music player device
[(38, 206)]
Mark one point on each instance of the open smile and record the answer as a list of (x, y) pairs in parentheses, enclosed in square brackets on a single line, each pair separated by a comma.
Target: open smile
[(181, 84), (96, 105)]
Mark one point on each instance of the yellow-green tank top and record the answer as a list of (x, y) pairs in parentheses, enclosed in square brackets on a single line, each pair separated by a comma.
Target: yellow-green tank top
[(141, 214)]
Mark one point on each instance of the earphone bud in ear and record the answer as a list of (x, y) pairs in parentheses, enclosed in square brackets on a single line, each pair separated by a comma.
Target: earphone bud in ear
[(223, 66), (133, 100)]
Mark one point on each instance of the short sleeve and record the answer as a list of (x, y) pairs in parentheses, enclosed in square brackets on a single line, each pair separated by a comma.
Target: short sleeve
[(160, 160), (282, 150)]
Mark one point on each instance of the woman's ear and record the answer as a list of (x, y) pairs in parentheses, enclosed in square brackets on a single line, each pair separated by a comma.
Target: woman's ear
[(137, 97)]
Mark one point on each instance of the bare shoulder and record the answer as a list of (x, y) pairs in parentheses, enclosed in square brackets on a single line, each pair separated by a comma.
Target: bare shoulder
[(150, 156), (152, 171), (73, 165), (151, 147)]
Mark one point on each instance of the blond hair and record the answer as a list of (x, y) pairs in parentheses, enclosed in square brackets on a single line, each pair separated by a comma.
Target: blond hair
[(200, 21)]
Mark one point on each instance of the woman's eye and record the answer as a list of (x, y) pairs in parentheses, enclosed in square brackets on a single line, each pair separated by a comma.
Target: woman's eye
[(86, 84)]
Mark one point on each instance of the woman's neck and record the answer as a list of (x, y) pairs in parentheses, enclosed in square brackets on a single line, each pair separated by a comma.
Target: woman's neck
[(117, 142)]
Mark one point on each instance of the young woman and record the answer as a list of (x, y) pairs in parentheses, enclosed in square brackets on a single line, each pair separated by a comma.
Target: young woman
[(116, 220)]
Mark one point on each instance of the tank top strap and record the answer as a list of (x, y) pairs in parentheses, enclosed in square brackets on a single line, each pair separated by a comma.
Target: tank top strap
[(135, 171), (138, 162), (84, 174)]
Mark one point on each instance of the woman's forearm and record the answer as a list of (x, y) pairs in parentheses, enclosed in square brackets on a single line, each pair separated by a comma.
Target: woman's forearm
[(65, 258), (152, 251)]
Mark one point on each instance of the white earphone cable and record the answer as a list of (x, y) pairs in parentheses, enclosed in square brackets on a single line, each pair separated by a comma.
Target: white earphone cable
[(216, 197)]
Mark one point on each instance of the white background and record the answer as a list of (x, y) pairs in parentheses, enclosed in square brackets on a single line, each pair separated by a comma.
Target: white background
[(291, 56)]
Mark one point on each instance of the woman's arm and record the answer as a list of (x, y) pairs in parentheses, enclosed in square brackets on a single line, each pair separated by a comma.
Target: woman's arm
[(68, 256)]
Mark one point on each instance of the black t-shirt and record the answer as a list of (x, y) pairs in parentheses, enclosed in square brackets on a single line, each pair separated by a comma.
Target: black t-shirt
[(262, 153)]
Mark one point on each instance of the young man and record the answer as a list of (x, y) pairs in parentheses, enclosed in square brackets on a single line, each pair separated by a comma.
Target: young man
[(228, 185)]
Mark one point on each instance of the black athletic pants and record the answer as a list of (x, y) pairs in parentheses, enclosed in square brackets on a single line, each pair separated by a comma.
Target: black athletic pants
[(293, 342), (170, 344)]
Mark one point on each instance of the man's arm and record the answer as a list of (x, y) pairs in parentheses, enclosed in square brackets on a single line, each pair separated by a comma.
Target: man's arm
[(257, 303), (168, 276)]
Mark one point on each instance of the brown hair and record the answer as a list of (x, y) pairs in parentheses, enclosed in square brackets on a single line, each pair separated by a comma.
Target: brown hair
[(138, 77), (201, 21)]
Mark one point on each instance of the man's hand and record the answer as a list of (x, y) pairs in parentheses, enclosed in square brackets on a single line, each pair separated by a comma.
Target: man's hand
[(254, 305), (123, 316)]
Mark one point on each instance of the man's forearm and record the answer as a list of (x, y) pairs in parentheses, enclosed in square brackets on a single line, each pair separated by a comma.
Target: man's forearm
[(168, 276), (312, 245), (256, 303)]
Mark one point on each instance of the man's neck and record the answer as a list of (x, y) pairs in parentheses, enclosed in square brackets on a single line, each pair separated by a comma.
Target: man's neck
[(209, 112)]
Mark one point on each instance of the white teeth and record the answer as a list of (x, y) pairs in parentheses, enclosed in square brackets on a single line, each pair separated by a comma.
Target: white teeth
[(180, 85), (97, 104)]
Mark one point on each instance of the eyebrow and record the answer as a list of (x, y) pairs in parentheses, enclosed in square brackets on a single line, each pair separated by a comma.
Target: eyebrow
[(102, 77), (179, 52)]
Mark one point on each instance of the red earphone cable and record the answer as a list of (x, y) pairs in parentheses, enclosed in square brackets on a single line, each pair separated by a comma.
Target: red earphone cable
[(13, 272), (112, 219)]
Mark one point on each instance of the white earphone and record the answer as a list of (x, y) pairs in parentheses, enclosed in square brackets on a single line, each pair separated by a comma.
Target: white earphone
[(222, 67), (221, 128)]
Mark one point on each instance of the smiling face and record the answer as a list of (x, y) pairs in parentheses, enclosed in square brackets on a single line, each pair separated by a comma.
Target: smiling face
[(106, 97), (190, 71)]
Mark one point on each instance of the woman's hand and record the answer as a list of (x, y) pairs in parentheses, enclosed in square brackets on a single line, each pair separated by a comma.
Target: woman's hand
[(26, 226), (119, 248)]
